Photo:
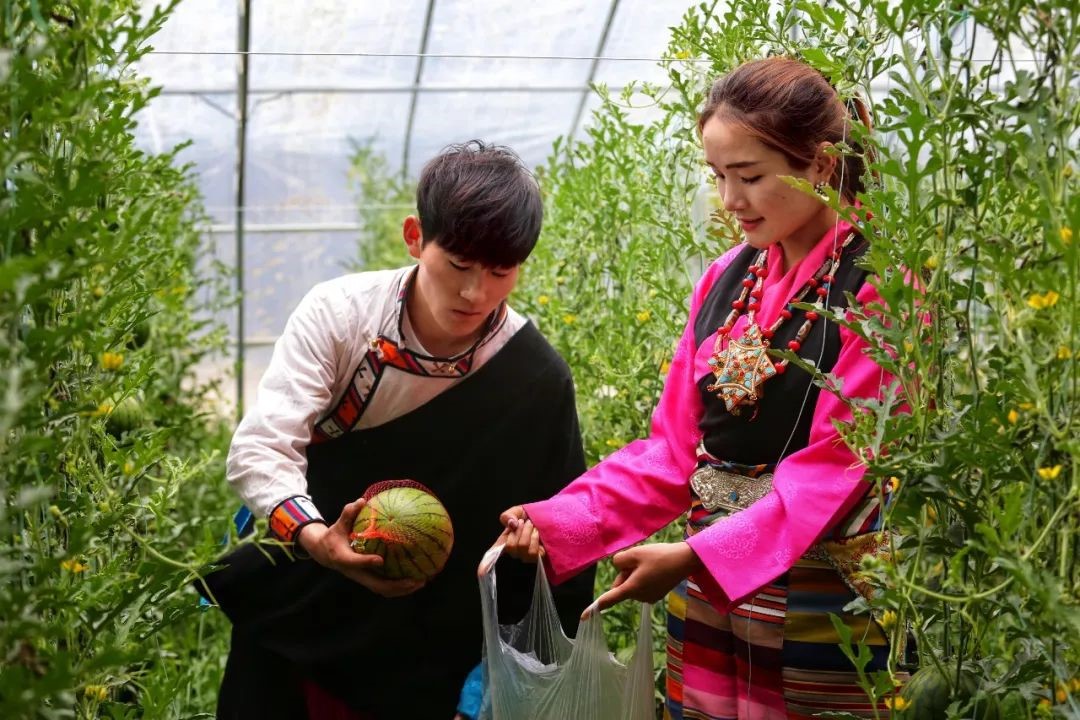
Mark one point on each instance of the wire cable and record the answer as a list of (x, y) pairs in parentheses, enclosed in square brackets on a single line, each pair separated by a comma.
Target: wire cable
[(466, 56), (426, 56)]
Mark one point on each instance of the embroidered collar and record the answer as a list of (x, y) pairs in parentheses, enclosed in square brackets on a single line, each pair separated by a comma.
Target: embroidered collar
[(389, 350), (457, 365)]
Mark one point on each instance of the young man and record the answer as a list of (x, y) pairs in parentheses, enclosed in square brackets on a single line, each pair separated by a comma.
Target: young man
[(422, 373)]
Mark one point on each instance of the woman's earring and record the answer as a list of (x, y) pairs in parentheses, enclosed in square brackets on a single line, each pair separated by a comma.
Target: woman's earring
[(819, 188)]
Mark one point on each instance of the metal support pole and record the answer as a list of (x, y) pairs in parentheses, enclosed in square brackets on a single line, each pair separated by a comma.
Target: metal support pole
[(416, 83), (592, 70), (243, 43)]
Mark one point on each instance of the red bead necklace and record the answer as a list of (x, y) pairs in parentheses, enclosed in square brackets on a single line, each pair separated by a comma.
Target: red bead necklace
[(742, 365)]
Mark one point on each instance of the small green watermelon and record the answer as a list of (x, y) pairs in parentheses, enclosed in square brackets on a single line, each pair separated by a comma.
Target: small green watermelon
[(125, 416), (928, 697)]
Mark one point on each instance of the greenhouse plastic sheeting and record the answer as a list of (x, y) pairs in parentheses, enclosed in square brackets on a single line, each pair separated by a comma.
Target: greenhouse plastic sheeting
[(323, 74)]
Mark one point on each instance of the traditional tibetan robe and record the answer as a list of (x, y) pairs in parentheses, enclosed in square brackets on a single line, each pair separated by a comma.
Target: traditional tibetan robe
[(749, 636), (351, 399)]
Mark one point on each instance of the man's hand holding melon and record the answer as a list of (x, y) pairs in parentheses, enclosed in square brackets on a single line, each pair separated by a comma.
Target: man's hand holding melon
[(392, 540), (329, 546)]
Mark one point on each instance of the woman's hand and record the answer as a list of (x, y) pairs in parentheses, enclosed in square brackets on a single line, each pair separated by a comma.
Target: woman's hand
[(329, 546), (649, 572), (521, 536)]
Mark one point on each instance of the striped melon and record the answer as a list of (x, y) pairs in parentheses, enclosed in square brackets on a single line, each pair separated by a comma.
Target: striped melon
[(928, 694), (405, 524)]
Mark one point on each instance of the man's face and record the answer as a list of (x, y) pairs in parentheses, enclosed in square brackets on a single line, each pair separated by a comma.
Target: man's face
[(454, 294)]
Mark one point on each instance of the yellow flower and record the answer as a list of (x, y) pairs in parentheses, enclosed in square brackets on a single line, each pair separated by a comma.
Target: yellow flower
[(665, 367), (1074, 684), (1041, 302), (894, 483), (1049, 473), (569, 319), (643, 316), (111, 361), (888, 620), (1064, 353), (96, 692), (931, 262), (683, 54), (1013, 417), (613, 443), (543, 299), (103, 409), (897, 703), (1066, 235), (74, 566), (129, 467), (1062, 694)]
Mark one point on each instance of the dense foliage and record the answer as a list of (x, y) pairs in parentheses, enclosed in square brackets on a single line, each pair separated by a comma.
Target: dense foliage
[(110, 455)]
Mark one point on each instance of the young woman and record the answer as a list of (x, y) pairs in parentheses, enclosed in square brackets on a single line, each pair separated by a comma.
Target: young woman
[(778, 507)]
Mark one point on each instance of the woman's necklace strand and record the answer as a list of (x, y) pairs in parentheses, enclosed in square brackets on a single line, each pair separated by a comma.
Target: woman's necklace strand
[(750, 301)]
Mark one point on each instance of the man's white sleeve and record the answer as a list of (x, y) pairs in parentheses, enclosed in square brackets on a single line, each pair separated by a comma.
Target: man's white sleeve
[(267, 461)]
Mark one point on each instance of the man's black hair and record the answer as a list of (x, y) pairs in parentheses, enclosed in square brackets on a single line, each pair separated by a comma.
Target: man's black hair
[(478, 201)]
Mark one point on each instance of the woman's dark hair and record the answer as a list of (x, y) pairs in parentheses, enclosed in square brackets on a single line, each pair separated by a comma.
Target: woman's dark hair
[(791, 107), (479, 202)]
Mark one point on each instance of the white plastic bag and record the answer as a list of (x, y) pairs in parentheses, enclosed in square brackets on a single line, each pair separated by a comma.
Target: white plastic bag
[(534, 672)]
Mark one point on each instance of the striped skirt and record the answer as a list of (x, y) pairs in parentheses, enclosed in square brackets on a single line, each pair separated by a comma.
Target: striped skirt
[(775, 656)]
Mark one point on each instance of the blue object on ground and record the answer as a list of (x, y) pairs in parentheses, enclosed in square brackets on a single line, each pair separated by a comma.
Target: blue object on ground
[(472, 693)]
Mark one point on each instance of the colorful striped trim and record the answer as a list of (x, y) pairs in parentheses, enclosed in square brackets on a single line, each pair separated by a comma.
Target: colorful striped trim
[(384, 352), (292, 514), (776, 656)]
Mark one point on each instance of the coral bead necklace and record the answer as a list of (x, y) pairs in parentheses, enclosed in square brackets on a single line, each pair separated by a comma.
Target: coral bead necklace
[(742, 365)]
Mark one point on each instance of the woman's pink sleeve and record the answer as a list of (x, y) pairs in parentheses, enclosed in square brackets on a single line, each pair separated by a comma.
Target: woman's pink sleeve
[(641, 488), (813, 489)]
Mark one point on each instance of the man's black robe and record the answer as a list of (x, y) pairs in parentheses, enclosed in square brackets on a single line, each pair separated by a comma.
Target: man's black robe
[(506, 435)]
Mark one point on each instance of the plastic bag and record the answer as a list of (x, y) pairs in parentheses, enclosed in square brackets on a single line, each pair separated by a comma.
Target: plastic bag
[(534, 672)]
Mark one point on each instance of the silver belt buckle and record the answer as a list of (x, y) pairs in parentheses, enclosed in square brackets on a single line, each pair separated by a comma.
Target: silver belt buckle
[(722, 490)]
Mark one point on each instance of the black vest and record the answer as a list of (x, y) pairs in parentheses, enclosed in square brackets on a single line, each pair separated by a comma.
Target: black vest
[(786, 408)]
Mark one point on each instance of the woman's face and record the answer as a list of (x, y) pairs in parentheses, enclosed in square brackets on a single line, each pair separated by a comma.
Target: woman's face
[(748, 178)]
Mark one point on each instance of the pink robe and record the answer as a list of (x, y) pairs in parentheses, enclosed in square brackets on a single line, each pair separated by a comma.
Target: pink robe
[(644, 486)]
